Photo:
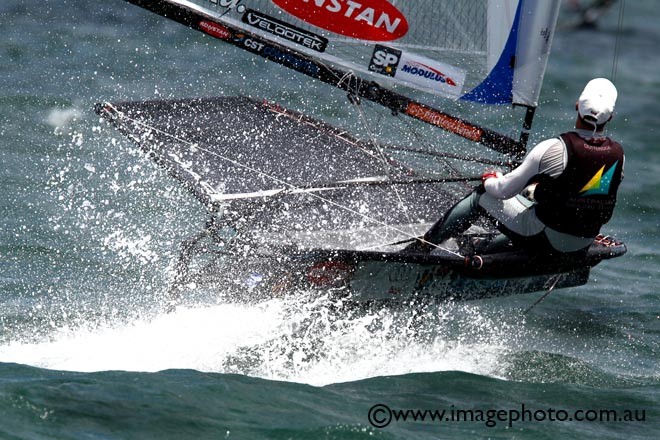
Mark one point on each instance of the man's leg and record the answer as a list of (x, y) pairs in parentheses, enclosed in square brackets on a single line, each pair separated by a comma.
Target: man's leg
[(459, 218)]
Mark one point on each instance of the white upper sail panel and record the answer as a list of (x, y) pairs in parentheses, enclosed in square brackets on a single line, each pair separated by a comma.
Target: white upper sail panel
[(537, 28), (452, 48), (501, 16)]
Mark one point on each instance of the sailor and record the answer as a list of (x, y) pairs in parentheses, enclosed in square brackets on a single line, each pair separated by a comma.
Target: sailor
[(557, 199)]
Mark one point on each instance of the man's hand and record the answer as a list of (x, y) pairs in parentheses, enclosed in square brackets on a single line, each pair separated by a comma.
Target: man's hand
[(489, 174)]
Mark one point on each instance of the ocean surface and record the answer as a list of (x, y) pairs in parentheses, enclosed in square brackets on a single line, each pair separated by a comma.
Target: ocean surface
[(90, 233)]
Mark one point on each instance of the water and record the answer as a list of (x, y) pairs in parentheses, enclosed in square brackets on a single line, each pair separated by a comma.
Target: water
[(90, 231)]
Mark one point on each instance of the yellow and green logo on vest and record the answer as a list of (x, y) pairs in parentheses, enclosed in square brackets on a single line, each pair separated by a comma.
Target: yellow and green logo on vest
[(600, 183)]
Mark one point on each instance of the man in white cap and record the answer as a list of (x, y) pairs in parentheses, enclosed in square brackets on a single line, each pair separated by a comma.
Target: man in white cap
[(569, 185)]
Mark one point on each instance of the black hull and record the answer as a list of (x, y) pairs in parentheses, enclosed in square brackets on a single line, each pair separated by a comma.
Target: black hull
[(395, 277)]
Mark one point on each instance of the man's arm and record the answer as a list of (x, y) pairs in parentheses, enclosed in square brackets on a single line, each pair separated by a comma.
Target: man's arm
[(513, 183)]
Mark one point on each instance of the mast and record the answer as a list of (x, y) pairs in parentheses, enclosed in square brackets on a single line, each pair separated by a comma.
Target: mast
[(527, 125)]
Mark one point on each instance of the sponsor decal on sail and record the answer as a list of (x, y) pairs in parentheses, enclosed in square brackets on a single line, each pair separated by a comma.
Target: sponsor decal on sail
[(444, 121), (428, 72), (385, 60), (416, 70), (372, 20), (215, 30), (273, 53), (434, 75), (285, 30)]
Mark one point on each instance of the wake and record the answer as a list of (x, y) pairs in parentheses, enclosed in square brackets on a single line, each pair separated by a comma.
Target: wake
[(311, 342)]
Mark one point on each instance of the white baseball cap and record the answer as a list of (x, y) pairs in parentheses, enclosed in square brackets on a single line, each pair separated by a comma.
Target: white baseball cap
[(596, 103)]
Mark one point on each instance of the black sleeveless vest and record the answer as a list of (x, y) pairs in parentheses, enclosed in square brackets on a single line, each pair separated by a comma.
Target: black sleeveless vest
[(582, 198)]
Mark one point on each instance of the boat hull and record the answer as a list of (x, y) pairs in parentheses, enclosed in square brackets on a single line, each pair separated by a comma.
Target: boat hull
[(395, 277)]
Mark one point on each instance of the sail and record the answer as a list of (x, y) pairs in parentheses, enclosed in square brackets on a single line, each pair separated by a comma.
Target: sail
[(400, 54), (488, 51)]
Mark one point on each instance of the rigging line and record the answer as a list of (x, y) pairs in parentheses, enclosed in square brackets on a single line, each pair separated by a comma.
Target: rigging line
[(354, 92), (615, 59), (347, 76), (353, 88), (445, 158), (353, 83), (341, 184), (122, 115), (421, 138), (447, 155), (355, 100)]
